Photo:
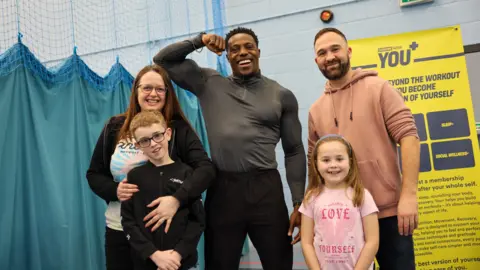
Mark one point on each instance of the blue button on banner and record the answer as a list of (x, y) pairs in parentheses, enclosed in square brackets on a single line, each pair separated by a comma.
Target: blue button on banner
[(452, 155), (448, 124), (425, 164), (420, 122)]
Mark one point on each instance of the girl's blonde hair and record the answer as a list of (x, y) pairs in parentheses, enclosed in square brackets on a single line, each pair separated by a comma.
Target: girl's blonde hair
[(316, 182)]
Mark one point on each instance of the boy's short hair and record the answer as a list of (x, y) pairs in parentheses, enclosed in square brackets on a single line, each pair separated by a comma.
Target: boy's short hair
[(146, 119)]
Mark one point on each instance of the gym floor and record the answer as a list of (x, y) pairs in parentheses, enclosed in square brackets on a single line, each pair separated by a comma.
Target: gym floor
[(251, 261)]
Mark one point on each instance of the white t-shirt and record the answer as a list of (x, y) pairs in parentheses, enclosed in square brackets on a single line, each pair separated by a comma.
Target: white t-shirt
[(125, 157)]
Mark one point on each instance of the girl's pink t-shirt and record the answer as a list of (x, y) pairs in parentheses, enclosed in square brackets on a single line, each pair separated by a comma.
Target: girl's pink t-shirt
[(338, 231)]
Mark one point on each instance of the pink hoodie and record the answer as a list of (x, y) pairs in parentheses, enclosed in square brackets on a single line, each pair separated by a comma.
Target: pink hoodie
[(373, 117)]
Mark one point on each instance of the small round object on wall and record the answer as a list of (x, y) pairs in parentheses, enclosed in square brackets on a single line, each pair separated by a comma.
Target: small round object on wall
[(326, 16)]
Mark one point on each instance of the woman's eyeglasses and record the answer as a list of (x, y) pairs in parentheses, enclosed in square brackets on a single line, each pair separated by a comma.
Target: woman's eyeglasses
[(149, 88)]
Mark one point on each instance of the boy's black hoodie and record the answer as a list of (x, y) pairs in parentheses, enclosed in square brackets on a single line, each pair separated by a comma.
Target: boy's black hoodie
[(184, 146), (187, 225)]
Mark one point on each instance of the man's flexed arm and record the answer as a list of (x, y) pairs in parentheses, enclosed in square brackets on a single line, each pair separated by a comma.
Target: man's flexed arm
[(185, 72)]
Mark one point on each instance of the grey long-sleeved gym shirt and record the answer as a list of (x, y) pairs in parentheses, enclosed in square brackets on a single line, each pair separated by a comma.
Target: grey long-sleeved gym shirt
[(245, 117)]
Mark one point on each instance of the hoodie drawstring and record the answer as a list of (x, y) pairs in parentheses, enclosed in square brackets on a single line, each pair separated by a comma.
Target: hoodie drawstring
[(334, 113), (351, 106), (351, 102)]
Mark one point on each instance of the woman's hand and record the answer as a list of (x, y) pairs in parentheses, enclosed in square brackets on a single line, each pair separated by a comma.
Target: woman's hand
[(125, 191), (167, 207)]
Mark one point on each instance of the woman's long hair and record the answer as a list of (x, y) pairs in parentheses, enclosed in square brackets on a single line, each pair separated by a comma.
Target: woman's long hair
[(317, 182), (170, 109)]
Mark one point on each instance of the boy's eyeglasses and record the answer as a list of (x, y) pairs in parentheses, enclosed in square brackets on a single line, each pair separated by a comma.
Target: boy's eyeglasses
[(148, 89), (157, 137)]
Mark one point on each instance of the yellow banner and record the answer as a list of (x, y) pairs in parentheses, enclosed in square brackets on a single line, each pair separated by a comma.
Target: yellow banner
[(429, 69)]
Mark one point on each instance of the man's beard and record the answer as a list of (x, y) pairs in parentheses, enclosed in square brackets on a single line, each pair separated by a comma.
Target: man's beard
[(334, 75)]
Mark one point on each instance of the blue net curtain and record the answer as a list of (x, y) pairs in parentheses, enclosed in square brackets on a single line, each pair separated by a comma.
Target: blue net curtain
[(66, 66)]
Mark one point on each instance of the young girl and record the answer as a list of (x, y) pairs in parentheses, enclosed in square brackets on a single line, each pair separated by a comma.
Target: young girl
[(339, 222)]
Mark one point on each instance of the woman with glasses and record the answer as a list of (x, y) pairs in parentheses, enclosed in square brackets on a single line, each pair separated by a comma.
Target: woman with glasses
[(115, 155)]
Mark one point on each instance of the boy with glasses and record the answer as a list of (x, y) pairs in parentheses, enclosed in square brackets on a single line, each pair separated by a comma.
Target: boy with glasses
[(160, 176)]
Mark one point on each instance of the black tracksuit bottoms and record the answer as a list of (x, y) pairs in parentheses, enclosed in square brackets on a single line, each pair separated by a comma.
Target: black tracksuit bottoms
[(250, 203)]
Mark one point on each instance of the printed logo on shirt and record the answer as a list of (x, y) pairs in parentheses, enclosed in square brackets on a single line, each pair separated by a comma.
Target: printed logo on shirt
[(128, 148), (175, 180), (127, 145), (333, 249), (338, 221), (125, 158)]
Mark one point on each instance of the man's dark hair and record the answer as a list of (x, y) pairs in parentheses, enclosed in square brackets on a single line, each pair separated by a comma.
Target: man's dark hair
[(241, 30), (327, 30)]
